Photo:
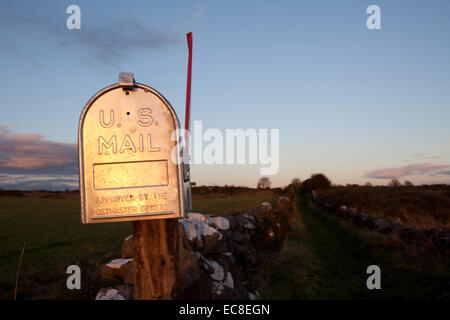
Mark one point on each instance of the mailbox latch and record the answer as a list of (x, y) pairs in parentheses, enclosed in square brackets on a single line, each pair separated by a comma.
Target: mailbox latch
[(126, 80)]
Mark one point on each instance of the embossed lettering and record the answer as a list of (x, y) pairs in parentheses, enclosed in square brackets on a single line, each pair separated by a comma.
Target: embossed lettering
[(144, 144), (150, 146), (127, 144), (111, 119), (112, 143), (145, 117)]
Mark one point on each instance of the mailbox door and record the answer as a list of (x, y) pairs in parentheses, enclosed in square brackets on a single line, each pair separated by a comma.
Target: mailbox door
[(125, 157)]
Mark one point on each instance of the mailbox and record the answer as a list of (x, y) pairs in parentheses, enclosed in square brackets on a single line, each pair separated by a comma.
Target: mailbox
[(129, 157)]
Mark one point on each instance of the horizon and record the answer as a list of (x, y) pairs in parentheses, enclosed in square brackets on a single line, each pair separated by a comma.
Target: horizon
[(69, 189)]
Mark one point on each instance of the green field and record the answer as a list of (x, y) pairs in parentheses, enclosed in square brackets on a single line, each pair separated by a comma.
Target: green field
[(229, 204), (326, 258), (54, 238), (323, 257)]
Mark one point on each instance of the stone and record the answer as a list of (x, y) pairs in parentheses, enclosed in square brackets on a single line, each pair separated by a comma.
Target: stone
[(198, 216), (409, 234), (229, 281), (190, 229), (195, 228), (127, 247), (212, 243), (201, 234), (283, 202), (122, 268), (206, 230), (189, 268), (249, 226), (237, 237), (382, 225), (266, 206), (396, 227), (283, 198), (122, 292), (127, 291), (217, 287), (118, 263), (232, 221), (226, 261), (252, 296), (109, 294), (220, 223), (398, 220), (201, 289), (211, 237), (248, 215), (215, 270)]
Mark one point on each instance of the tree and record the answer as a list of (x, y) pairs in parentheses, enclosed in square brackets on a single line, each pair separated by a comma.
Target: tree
[(320, 181), (408, 183), (394, 183), (264, 183), (368, 184), (296, 185), (317, 181)]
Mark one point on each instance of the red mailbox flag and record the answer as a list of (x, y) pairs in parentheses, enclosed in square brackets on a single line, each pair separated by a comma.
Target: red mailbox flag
[(188, 88)]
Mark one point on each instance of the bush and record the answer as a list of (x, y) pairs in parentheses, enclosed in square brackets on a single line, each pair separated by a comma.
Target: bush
[(317, 182), (394, 183)]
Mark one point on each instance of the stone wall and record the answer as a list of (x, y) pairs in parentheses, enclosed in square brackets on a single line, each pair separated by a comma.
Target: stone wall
[(220, 253), (437, 239)]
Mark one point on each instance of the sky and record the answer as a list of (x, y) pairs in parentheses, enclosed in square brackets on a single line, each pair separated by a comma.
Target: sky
[(358, 105)]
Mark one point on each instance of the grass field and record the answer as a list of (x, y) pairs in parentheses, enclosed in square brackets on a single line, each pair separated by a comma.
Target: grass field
[(325, 258), (54, 238), (229, 204)]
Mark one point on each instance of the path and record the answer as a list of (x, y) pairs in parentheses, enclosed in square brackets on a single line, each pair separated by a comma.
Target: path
[(324, 258)]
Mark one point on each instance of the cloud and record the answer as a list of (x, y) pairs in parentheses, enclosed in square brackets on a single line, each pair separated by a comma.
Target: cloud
[(413, 169), (36, 182), (421, 156), (417, 155), (109, 43), (447, 172), (33, 154), (114, 41)]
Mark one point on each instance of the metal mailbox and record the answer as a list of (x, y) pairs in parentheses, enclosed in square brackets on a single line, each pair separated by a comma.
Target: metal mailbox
[(129, 158)]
